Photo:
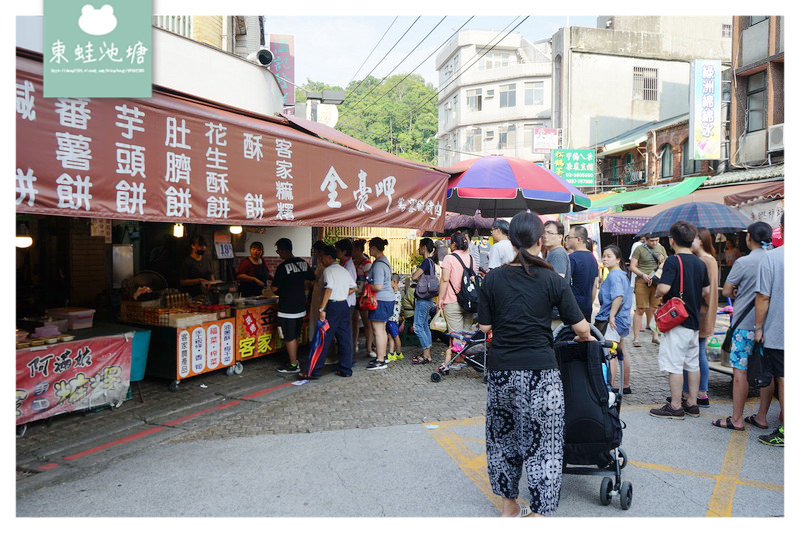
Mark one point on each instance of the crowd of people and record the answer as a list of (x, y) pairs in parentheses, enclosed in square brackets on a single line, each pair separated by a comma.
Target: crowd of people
[(534, 279)]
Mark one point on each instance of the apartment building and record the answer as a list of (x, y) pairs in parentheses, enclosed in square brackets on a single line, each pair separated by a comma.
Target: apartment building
[(493, 96), (628, 72)]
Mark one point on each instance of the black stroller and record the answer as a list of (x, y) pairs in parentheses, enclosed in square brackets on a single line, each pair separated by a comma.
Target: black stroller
[(592, 428), (472, 346)]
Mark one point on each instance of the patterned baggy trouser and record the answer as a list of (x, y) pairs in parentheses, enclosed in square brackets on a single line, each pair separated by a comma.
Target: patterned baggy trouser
[(525, 426)]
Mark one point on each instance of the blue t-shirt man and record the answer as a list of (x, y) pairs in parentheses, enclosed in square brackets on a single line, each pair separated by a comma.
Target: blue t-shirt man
[(584, 273)]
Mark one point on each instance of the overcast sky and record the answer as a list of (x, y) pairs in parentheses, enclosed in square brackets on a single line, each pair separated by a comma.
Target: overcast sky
[(331, 49)]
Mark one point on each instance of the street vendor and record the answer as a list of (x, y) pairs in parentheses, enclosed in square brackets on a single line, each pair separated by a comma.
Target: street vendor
[(196, 269), (253, 272)]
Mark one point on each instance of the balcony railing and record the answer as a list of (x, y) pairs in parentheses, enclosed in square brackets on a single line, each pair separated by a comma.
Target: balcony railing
[(624, 174)]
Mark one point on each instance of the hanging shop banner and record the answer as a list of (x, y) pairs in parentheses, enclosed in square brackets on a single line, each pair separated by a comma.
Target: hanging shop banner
[(769, 212), (705, 105), (575, 166), (205, 347), (545, 140), (257, 332), (169, 159), (282, 48), (70, 376)]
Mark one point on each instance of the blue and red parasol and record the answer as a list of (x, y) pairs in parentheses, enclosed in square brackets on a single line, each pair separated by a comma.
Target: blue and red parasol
[(503, 186)]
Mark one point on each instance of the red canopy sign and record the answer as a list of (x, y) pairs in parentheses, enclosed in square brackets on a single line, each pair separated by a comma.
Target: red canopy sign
[(170, 159)]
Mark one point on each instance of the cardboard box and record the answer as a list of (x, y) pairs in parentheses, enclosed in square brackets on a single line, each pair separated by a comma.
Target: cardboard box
[(77, 317)]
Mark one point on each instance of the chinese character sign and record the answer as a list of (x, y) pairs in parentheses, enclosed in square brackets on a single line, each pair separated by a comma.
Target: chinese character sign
[(204, 347), (70, 376), (103, 51), (705, 117), (257, 332), (577, 167), (173, 160), (282, 48)]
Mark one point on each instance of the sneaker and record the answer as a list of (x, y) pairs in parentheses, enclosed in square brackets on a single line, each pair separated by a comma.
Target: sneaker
[(627, 390), (667, 412), (693, 410), (377, 365), (289, 368), (373, 355), (773, 439), (391, 356), (398, 356), (703, 402)]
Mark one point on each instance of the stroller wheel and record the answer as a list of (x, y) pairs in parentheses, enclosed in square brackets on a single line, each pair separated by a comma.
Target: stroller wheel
[(605, 490), (436, 377), (625, 495)]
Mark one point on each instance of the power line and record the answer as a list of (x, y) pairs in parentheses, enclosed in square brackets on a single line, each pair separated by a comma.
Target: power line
[(373, 50), (379, 98), (400, 142), (463, 70), (400, 63), (384, 57)]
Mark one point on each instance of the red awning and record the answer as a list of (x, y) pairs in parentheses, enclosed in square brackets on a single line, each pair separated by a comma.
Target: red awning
[(770, 191), (174, 159)]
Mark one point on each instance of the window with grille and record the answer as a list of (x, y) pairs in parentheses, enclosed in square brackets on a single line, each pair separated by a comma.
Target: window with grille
[(508, 95), (726, 30), (645, 84), (474, 99), (472, 140)]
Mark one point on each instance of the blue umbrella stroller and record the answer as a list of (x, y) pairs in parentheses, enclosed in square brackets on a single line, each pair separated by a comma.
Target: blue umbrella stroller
[(472, 346), (592, 428)]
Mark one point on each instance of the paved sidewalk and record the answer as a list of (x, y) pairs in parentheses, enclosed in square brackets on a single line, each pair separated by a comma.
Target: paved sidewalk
[(263, 404)]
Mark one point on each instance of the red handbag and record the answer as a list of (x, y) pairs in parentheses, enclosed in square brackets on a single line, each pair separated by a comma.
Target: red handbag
[(368, 300), (672, 312)]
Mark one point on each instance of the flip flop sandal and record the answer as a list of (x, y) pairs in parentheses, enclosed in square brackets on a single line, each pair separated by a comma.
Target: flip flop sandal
[(752, 421), (656, 341), (637, 344), (728, 424), (418, 360), (426, 361)]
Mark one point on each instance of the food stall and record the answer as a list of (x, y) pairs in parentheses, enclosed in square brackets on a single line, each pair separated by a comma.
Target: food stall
[(179, 160)]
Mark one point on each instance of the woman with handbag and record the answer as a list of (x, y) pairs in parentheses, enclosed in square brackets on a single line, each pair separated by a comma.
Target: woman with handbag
[(740, 339), (424, 275), (683, 286), (362, 264)]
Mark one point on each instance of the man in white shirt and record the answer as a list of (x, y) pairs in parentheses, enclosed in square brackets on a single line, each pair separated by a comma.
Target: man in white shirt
[(501, 252), (339, 284)]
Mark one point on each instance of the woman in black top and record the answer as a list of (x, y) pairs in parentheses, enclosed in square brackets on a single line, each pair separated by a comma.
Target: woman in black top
[(525, 399)]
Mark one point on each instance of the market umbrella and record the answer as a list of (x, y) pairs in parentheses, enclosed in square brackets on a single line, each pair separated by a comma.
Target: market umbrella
[(454, 221), (710, 215), (503, 186)]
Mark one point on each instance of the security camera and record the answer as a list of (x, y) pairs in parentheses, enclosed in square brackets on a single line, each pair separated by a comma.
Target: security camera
[(262, 57)]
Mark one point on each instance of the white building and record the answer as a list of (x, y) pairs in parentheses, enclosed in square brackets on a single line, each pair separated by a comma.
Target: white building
[(629, 71), (492, 100)]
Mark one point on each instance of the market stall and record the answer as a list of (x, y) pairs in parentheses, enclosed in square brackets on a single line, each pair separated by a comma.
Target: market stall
[(178, 160)]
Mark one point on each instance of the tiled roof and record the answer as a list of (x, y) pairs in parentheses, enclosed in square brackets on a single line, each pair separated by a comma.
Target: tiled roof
[(745, 175)]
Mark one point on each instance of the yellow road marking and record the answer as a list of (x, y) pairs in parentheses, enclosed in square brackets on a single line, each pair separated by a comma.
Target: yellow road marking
[(673, 470), (721, 503)]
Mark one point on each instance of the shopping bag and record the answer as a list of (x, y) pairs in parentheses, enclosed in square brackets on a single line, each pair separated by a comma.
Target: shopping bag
[(438, 323), (758, 369), (368, 300)]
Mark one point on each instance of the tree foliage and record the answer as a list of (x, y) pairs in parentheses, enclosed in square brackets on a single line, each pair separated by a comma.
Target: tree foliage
[(396, 116)]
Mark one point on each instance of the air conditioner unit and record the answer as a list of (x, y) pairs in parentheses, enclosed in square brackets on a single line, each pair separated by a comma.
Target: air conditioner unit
[(490, 93), (775, 138)]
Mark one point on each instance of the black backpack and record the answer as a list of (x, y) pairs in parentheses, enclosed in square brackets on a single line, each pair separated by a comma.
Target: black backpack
[(470, 283)]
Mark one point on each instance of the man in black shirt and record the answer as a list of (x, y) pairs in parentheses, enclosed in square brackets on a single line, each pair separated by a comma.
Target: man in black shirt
[(679, 348), (196, 269), (289, 284)]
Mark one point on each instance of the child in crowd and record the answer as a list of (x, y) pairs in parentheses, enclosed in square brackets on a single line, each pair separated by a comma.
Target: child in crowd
[(395, 352)]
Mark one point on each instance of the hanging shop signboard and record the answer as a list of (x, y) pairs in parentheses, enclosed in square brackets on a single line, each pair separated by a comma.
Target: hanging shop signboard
[(170, 159)]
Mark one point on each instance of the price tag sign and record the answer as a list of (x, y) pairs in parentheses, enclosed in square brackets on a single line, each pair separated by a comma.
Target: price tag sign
[(224, 250)]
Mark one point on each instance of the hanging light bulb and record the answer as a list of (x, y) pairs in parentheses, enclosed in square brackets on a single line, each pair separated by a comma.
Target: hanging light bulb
[(177, 230), (23, 239), (236, 230)]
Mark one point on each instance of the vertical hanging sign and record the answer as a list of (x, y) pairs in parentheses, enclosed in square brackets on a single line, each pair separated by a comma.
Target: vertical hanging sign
[(282, 48), (102, 50), (705, 115)]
